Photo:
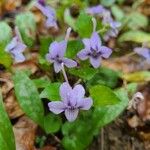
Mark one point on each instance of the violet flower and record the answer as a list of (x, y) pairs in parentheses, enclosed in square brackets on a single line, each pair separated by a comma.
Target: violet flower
[(16, 47), (56, 54), (72, 101), (144, 52), (95, 10), (49, 12), (94, 50), (114, 25)]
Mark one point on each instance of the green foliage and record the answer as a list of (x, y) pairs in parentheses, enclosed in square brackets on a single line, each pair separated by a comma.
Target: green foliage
[(89, 123), (135, 36), (107, 3), (41, 83), (136, 20), (117, 12), (104, 76), (7, 139), (44, 45), (51, 92), (5, 34), (73, 48), (84, 73), (52, 123), (5, 58), (27, 27), (141, 76), (28, 97), (103, 96), (82, 22)]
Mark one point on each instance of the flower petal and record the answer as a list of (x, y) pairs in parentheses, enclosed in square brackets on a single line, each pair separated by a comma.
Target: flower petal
[(56, 107), (145, 52), (12, 44), (71, 115), (50, 58), (95, 40), (106, 51), (19, 57), (20, 47), (78, 91), (65, 90), (87, 43), (86, 103), (62, 48), (69, 63), (53, 49), (57, 67), (83, 54), (95, 62)]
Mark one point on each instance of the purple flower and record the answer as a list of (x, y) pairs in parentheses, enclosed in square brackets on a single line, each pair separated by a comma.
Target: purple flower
[(56, 54), (72, 101), (94, 51), (16, 47), (143, 51), (49, 12), (114, 25), (95, 10)]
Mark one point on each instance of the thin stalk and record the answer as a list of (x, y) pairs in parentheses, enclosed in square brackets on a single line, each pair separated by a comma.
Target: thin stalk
[(64, 73)]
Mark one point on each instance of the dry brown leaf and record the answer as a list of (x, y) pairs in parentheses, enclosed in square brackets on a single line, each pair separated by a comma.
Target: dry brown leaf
[(11, 5), (12, 107), (24, 131), (48, 148)]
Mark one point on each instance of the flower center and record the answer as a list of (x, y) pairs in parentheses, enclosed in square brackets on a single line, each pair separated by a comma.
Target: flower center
[(58, 59), (94, 53)]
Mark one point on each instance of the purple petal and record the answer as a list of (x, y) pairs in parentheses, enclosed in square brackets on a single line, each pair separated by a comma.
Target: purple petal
[(145, 52), (12, 44), (86, 103), (56, 107), (62, 48), (95, 40), (51, 22), (20, 47), (50, 58), (95, 62), (95, 10), (19, 57), (115, 24), (71, 115), (69, 63), (57, 67), (106, 51), (83, 54), (65, 90), (78, 91), (87, 43), (53, 49)]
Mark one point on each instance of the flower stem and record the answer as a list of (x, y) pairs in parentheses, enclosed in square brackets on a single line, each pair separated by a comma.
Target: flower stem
[(67, 34), (64, 73), (94, 24)]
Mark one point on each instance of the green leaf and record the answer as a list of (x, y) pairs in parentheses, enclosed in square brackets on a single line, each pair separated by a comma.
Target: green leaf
[(84, 73), (104, 115), (104, 76), (27, 27), (84, 25), (41, 83), (52, 123), (117, 12), (140, 76), (69, 19), (103, 96), (107, 3), (135, 36), (51, 92), (7, 139), (73, 48), (136, 20), (5, 30), (5, 58), (44, 45), (28, 97)]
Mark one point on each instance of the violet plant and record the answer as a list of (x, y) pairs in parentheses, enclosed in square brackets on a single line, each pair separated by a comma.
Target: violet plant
[(89, 96)]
